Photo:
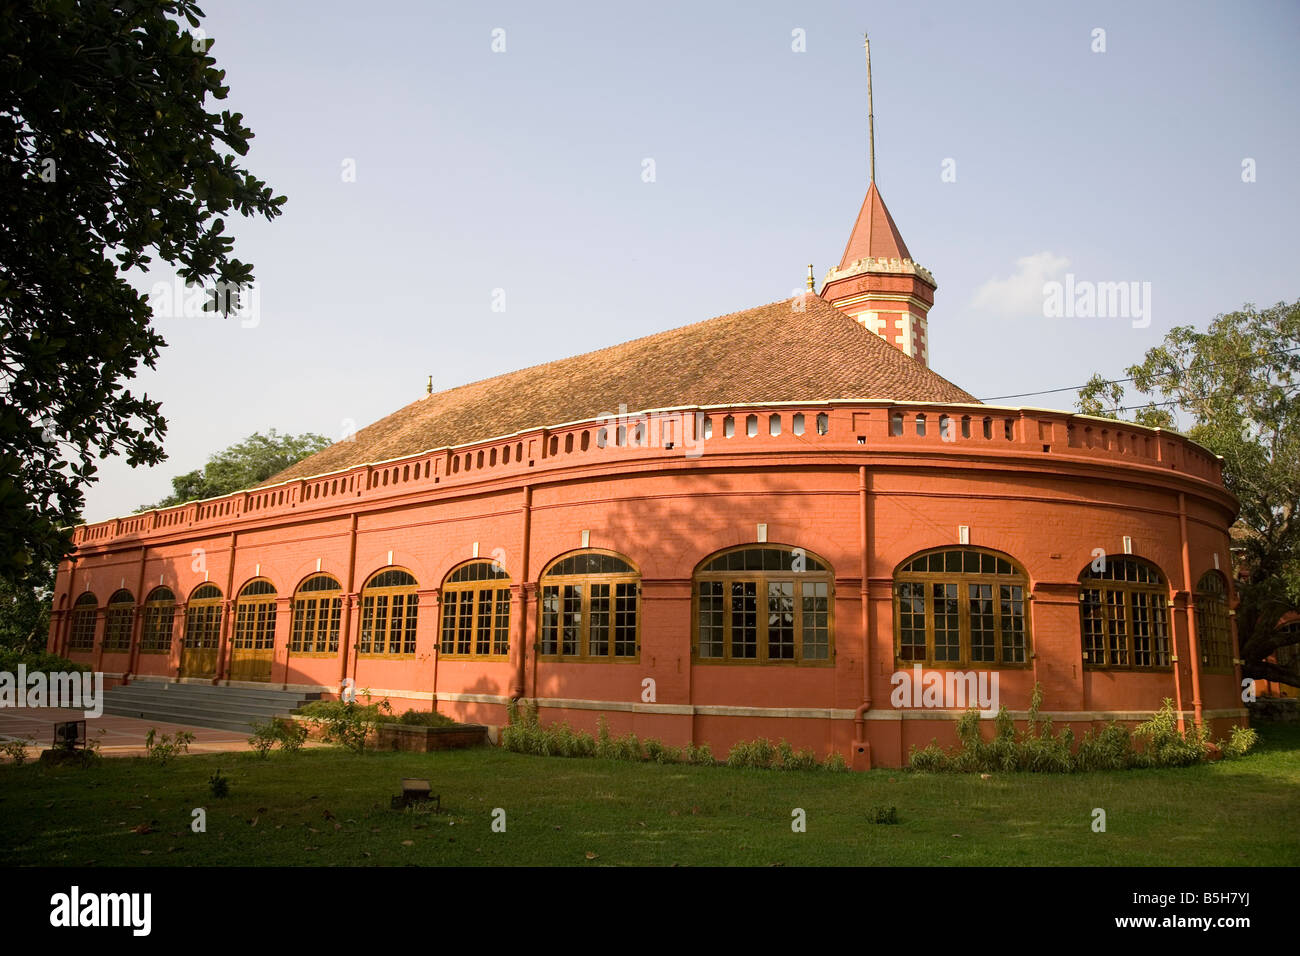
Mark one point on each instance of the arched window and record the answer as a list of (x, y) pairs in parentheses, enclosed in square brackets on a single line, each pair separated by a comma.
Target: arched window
[(159, 612), (82, 636), (1212, 631), (317, 611), (119, 621), (203, 618), (255, 616), (389, 606), (1124, 614), (766, 605), (476, 611), (590, 608), (961, 606)]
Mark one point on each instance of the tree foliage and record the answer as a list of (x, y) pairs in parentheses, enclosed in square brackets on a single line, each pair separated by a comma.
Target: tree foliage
[(25, 610), (242, 465), (1237, 384), (108, 158)]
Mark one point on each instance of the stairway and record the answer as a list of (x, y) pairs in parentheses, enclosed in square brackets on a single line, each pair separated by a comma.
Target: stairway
[(202, 705)]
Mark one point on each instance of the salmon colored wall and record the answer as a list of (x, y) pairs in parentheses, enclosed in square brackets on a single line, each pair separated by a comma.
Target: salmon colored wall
[(1059, 490)]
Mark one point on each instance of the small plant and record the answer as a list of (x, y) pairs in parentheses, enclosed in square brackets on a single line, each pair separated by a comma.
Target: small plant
[(835, 762), (659, 752), (292, 735), (1111, 748), (628, 747), (698, 756), (887, 815), (16, 750), (605, 748), (264, 738), (787, 758), (930, 758), (1240, 743), (1165, 746), (219, 785), (163, 747), (754, 755)]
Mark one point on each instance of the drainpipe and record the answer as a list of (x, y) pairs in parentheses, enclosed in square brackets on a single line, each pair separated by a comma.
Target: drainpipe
[(345, 635), (517, 687), (228, 612), (1190, 610), (860, 744), (137, 622)]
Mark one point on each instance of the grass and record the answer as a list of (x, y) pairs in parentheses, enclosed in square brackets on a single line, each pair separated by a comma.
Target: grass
[(330, 807)]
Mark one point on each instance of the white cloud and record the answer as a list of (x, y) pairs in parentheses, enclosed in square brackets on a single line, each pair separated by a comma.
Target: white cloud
[(1021, 294)]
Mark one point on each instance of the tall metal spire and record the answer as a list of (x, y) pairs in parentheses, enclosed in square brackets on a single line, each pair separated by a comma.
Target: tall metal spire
[(871, 120)]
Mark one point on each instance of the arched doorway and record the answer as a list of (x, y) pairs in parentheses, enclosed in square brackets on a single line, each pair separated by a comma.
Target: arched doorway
[(253, 647), (202, 632)]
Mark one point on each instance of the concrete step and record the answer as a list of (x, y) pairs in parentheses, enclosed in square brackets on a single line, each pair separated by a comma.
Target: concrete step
[(202, 705)]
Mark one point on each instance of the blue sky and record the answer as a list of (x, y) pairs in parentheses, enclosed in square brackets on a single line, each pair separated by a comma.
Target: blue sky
[(522, 171)]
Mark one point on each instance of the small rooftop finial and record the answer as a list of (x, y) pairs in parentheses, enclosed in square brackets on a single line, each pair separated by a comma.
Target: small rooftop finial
[(428, 389), (871, 119), (811, 281)]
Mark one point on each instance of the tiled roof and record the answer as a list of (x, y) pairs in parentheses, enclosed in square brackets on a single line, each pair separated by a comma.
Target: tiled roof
[(874, 234), (795, 350)]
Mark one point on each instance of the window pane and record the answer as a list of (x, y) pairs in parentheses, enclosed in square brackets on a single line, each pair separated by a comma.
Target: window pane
[(550, 619), (780, 620), (983, 635), (572, 624), (816, 621), (712, 611), (598, 639), (947, 622), (744, 619), (625, 609), (1013, 623), (911, 619), (501, 629)]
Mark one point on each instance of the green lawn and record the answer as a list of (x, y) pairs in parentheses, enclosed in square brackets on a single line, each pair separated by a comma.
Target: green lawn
[(329, 807)]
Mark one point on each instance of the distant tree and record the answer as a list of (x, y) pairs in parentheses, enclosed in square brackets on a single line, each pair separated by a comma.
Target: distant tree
[(107, 154), (25, 610), (242, 465), (1237, 382)]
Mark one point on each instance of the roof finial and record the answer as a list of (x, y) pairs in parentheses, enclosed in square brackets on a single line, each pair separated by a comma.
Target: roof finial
[(811, 281), (871, 120), (428, 389)]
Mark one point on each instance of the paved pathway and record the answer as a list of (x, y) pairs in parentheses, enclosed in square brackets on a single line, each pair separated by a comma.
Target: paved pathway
[(118, 736)]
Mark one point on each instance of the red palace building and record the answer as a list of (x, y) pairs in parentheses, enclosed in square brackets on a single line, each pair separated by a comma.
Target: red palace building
[(796, 510)]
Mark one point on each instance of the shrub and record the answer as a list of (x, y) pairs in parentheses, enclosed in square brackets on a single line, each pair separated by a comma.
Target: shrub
[(835, 762), (787, 758), (1111, 748), (16, 750), (163, 747), (755, 754), (1240, 743), (219, 785), (929, 758), (348, 724), (883, 815), (265, 736), (35, 661), (699, 756), (628, 747), (605, 748), (659, 752), (426, 718), (1164, 746), (292, 735)]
